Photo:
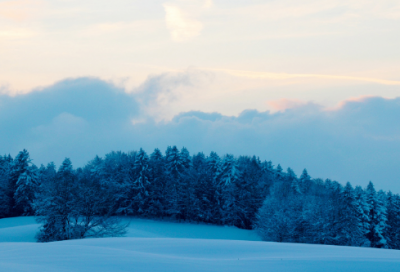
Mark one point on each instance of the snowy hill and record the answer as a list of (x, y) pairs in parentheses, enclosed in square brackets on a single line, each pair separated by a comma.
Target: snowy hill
[(200, 253), (23, 229)]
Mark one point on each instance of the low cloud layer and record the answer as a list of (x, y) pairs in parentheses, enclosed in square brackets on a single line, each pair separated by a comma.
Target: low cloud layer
[(73, 118), (358, 141)]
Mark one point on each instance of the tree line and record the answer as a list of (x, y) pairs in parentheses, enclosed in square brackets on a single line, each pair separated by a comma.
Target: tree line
[(238, 191)]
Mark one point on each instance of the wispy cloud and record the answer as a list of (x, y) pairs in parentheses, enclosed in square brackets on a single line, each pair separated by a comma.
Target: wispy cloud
[(182, 18), (180, 25), (282, 76)]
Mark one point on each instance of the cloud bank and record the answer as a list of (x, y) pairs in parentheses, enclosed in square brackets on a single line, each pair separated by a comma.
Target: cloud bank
[(79, 118)]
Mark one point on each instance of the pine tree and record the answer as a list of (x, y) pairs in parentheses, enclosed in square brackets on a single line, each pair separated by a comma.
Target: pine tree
[(228, 174), (204, 192), (248, 198), (176, 167), (141, 175), (27, 188), (305, 181), (212, 163), (157, 194), (360, 197), (294, 182), (215, 196), (350, 228), (377, 217), (5, 166), (393, 222), (333, 219), (279, 172), (20, 167), (266, 180)]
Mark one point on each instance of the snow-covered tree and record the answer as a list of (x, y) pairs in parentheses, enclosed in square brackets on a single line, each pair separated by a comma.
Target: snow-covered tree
[(75, 209), (177, 166), (349, 225), (141, 182), (5, 165), (360, 197), (294, 182), (27, 188), (228, 171), (393, 222), (56, 208), (305, 181), (21, 175), (157, 194), (228, 174), (377, 218)]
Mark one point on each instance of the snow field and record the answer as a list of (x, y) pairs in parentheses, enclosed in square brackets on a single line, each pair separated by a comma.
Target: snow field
[(171, 254), (23, 229), (202, 252)]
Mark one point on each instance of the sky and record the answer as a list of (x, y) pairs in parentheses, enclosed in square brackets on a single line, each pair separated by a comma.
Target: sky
[(307, 84)]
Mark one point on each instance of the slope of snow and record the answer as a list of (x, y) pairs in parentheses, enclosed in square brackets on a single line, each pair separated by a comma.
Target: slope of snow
[(169, 254), (178, 253), (23, 229), (18, 229)]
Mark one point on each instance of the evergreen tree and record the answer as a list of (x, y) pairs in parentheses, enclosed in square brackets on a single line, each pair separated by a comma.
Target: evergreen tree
[(213, 163), (360, 197), (19, 167), (294, 182), (141, 175), (204, 191), (350, 227), (157, 194), (305, 181), (247, 196), (279, 172), (215, 196), (228, 175), (176, 167), (393, 222), (266, 180), (5, 165), (377, 218), (27, 188)]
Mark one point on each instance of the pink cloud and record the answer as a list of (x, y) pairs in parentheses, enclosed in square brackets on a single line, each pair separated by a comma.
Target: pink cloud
[(284, 104), (341, 104)]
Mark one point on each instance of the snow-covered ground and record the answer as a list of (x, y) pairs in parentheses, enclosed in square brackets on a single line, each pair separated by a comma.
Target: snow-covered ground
[(23, 229), (190, 247)]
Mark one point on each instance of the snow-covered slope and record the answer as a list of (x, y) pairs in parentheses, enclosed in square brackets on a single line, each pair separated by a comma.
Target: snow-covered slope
[(169, 254), (174, 254), (18, 229), (23, 229)]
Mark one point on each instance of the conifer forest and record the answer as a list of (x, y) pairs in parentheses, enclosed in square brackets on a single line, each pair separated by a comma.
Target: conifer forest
[(222, 190)]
